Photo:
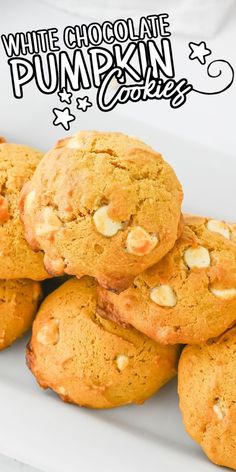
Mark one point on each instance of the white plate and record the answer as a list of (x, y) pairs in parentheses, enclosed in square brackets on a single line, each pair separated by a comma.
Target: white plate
[(36, 427)]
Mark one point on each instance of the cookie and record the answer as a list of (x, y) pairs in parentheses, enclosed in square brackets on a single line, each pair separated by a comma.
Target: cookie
[(207, 379), (17, 164), (104, 205), (18, 304), (90, 361), (190, 295)]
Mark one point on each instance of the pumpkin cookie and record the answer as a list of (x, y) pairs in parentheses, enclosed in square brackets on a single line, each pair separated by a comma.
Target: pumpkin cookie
[(91, 361), (207, 379), (17, 164), (190, 295), (18, 304), (104, 205)]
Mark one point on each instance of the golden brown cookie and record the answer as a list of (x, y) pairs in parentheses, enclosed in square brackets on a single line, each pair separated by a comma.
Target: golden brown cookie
[(18, 304), (91, 361), (190, 295), (207, 392), (17, 164), (104, 205)]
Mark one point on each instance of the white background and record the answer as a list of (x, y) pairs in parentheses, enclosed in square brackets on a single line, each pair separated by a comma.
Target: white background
[(209, 120)]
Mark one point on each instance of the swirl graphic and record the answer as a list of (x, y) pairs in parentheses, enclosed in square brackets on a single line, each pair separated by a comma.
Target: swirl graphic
[(216, 69)]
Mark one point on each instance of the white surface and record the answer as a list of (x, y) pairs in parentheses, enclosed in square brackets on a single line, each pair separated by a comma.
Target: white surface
[(191, 16), (11, 465), (36, 427), (40, 430)]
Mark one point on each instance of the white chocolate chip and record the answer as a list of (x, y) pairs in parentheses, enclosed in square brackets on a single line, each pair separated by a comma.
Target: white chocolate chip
[(61, 390), (225, 293), (54, 266), (122, 361), (219, 411), (139, 242), (104, 224), (42, 229), (50, 223), (49, 333), (74, 143), (163, 333), (29, 201), (198, 257), (163, 295), (219, 227)]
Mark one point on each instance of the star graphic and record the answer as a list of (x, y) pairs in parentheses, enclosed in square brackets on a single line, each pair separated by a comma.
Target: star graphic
[(83, 103), (65, 96), (63, 117), (199, 51)]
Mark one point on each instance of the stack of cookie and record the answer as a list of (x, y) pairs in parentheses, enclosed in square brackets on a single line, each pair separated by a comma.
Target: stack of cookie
[(105, 208), (102, 207), (20, 267)]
